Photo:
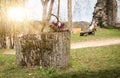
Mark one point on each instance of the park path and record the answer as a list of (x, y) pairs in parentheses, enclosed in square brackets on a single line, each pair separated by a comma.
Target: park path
[(85, 44), (95, 43)]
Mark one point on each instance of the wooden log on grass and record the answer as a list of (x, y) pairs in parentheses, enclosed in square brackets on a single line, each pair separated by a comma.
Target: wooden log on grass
[(88, 32), (91, 29)]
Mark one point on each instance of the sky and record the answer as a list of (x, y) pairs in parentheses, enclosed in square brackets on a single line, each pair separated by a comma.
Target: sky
[(82, 13), (118, 10), (34, 9)]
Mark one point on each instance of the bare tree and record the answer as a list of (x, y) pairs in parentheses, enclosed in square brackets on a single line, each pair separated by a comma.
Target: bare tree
[(2, 24), (70, 14), (5, 26), (58, 11), (46, 15)]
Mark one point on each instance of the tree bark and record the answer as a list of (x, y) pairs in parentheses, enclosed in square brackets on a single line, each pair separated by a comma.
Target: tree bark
[(112, 11), (58, 11), (105, 13), (46, 49), (2, 25), (70, 14), (46, 16), (50, 10)]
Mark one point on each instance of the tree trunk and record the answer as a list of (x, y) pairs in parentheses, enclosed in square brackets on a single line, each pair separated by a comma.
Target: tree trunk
[(70, 14), (47, 49), (112, 11), (2, 41), (2, 31), (105, 12), (50, 10), (46, 15), (2, 25), (58, 11)]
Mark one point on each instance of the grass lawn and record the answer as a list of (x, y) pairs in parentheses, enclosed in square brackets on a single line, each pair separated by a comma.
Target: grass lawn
[(97, 62), (2, 50), (101, 33)]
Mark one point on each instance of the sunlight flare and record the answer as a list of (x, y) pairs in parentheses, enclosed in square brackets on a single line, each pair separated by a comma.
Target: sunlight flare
[(16, 14)]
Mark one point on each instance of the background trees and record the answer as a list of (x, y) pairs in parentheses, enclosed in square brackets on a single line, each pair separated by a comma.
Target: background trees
[(70, 14), (47, 6), (6, 26), (46, 13)]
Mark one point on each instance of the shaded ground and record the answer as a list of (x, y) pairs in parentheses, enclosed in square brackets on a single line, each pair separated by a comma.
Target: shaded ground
[(85, 44)]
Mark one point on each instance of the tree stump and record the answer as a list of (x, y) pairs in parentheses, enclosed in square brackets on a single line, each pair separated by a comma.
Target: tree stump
[(47, 49)]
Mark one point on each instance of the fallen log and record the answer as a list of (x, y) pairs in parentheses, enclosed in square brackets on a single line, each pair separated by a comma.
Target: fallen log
[(88, 32)]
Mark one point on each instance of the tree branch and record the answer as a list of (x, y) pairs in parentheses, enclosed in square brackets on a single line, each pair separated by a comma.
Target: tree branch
[(50, 9), (42, 1)]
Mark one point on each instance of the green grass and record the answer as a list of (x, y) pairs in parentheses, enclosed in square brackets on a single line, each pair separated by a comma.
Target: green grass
[(101, 33), (98, 62), (3, 50)]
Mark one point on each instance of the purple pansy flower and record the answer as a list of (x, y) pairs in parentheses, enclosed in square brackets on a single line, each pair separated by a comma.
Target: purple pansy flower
[(61, 25), (58, 27), (55, 23)]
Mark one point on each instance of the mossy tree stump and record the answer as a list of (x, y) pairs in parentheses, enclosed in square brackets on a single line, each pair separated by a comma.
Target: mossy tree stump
[(47, 49)]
